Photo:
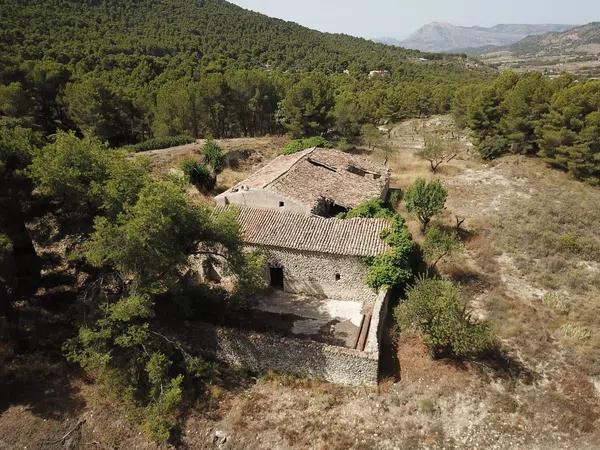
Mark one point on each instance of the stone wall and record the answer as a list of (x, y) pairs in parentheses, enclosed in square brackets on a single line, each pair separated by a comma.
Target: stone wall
[(315, 274), (260, 352), (260, 198), (378, 320)]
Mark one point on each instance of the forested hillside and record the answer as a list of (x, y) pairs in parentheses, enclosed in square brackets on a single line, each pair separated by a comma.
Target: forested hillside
[(180, 35), (126, 70)]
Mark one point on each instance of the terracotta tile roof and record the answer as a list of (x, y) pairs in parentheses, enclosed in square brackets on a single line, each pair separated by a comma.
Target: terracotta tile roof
[(316, 174), (279, 166), (355, 237)]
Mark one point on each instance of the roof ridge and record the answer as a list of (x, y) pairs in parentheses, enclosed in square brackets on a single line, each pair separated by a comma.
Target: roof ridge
[(292, 166)]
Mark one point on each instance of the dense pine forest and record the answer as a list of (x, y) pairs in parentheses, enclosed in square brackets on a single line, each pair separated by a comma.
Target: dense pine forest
[(129, 71), (531, 114)]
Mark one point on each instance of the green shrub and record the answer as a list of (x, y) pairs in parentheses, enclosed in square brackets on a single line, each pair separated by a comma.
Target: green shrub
[(160, 142), (213, 156), (576, 332), (160, 417), (556, 302), (569, 242), (426, 199), (344, 145), (434, 308), (395, 266), (198, 174), (492, 147), (298, 145), (374, 209), (439, 244)]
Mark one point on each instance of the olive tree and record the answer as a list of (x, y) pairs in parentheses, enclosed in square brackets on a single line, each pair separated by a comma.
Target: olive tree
[(434, 308), (438, 150), (425, 200), (440, 244)]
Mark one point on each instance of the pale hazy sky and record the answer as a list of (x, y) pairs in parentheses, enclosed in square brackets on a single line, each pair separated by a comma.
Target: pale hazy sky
[(396, 18)]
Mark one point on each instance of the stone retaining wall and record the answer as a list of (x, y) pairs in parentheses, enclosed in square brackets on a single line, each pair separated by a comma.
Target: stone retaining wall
[(378, 320), (262, 351)]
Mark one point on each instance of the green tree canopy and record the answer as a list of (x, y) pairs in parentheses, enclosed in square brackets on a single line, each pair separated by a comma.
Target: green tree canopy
[(434, 307), (97, 109), (86, 176), (307, 108), (439, 244), (426, 199), (214, 156), (152, 238), (570, 136)]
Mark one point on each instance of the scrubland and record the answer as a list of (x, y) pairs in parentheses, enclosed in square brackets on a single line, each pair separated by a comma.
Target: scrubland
[(531, 266)]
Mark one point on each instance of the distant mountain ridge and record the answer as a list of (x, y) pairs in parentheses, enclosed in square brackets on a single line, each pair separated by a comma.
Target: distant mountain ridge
[(445, 37), (584, 39), (576, 50)]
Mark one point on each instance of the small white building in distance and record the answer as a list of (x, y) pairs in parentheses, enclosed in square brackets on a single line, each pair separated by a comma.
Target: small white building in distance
[(315, 181), (379, 73)]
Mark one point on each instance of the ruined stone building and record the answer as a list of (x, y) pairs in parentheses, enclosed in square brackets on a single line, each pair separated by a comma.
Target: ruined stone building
[(320, 318), (313, 255), (315, 181)]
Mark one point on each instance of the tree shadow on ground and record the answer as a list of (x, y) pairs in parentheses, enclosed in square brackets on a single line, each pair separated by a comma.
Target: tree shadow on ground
[(34, 373), (464, 234), (498, 364), (42, 384), (472, 281)]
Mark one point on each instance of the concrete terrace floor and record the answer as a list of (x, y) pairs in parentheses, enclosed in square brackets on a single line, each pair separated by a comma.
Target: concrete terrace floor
[(335, 322)]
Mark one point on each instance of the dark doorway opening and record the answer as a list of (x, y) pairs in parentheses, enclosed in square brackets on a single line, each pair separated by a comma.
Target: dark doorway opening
[(276, 277)]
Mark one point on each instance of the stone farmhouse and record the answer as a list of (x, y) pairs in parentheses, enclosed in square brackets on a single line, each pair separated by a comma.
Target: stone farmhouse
[(320, 318), (315, 181), (313, 255)]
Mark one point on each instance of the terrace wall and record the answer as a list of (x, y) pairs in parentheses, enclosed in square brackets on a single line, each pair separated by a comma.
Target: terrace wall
[(262, 351)]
